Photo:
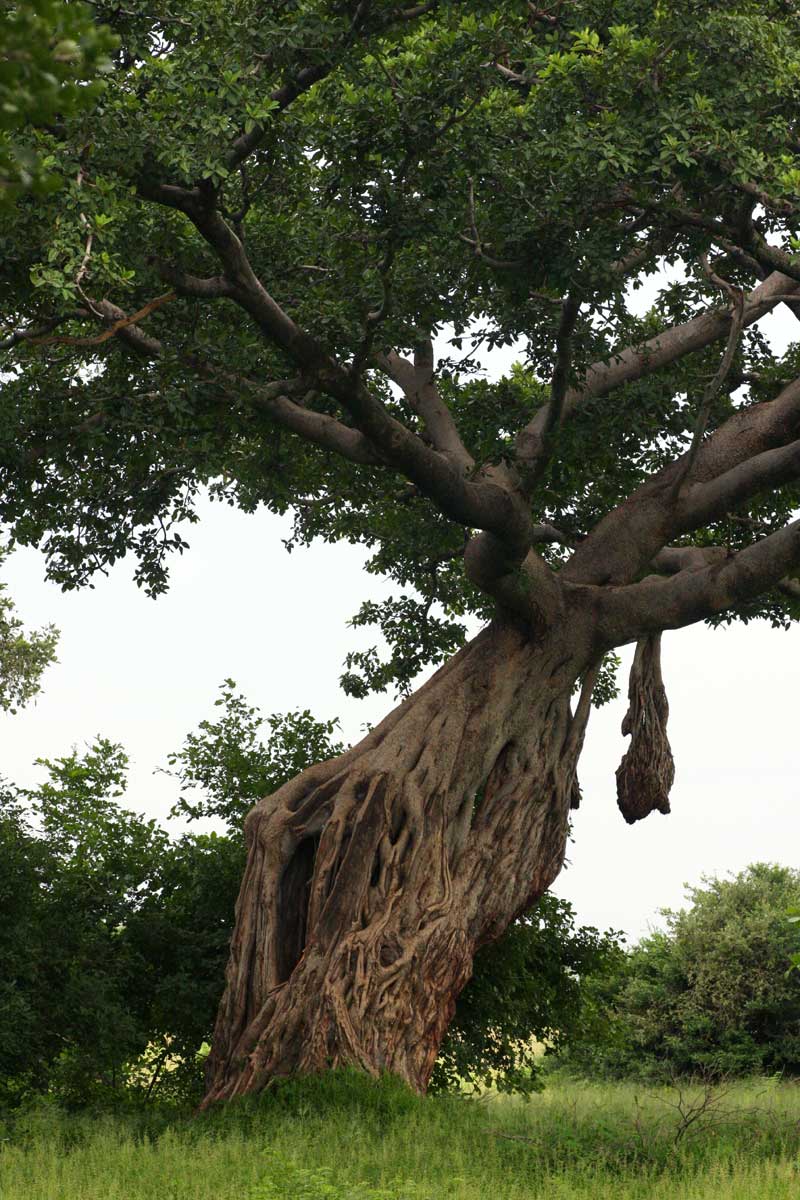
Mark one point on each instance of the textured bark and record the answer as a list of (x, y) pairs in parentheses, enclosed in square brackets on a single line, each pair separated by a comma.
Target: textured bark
[(373, 878), (646, 773)]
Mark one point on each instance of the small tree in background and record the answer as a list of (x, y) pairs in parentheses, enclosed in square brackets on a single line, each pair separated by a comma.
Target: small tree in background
[(711, 993), (74, 870)]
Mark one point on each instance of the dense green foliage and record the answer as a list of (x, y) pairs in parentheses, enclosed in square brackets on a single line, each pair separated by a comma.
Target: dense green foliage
[(343, 1137), (712, 993), (114, 934), (50, 54)]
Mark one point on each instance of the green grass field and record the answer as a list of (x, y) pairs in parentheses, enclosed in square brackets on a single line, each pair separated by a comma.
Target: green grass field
[(344, 1139)]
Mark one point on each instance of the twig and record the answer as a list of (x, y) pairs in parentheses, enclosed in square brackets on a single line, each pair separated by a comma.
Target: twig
[(122, 323)]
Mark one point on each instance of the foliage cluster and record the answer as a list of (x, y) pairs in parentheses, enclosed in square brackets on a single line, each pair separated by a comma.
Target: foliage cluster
[(711, 994), (24, 655), (51, 54), (114, 939)]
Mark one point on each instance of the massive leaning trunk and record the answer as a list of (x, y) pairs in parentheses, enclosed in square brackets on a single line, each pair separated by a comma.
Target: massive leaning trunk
[(373, 878)]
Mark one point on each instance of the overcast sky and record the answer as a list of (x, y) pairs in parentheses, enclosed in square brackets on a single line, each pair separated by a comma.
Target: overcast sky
[(144, 672)]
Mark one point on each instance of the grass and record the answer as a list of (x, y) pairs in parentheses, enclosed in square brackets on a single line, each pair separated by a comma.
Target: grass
[(345, 1138)]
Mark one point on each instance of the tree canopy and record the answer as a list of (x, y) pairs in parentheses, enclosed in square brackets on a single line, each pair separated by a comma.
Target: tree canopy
[(272, 213), (50, 54)]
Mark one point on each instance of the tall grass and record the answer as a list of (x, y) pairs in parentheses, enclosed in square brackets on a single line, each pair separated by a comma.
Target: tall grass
[(344, 1138)]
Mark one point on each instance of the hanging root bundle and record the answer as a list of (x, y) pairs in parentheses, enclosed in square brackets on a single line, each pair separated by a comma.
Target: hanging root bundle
[(646, 773)]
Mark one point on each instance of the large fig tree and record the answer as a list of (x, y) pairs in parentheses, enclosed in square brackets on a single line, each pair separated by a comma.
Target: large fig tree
[(285, 234)]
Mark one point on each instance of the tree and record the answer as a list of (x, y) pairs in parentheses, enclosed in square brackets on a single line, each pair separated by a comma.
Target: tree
[(275, 220), (710, 994), (529, 987)]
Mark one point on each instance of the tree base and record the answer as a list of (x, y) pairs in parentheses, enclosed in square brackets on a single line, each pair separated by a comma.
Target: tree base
[(373, 878)]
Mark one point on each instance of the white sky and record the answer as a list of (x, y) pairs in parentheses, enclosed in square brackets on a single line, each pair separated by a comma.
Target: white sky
[(144, 672)]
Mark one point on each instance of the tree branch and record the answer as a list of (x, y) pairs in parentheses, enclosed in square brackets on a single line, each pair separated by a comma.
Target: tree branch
[(637, 361), (727, 469), (710, 394), (419, 387), (710, 501), (123, 325), (35, 333), (480, 504), (554, 409), (317, 428), (625, 614), (213, 288)]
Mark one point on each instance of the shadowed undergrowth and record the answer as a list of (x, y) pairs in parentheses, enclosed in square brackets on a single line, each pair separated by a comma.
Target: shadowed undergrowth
[(342, 1137)]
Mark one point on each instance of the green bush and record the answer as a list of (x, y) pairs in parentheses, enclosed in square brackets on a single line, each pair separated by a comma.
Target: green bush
[(711, 994)]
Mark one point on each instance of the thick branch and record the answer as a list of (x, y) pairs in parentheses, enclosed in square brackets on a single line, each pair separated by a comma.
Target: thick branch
[(629, 613), (318, 428), (419, 387), (637, 361), (213, 288), (728, 468), (710, 501)]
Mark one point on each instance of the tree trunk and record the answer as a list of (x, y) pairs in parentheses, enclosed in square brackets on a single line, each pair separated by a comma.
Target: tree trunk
[(373, 878)]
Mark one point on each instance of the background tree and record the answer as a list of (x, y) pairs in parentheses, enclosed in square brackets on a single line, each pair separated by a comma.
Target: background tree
[(711, 993), (272, 220), (75, 870)]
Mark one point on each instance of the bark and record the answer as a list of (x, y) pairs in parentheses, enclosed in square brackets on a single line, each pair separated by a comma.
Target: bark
[(373, 878)]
